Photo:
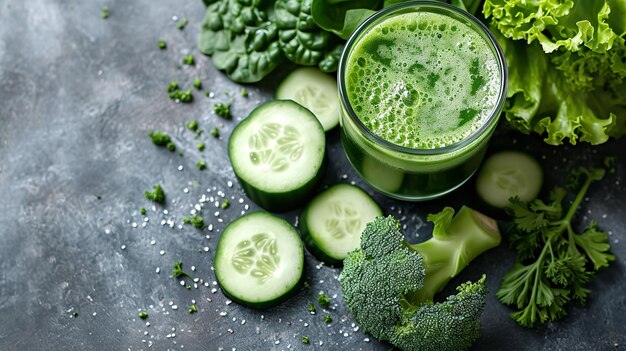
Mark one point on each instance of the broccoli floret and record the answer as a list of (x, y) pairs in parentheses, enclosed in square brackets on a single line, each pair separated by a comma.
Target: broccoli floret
[(389, 284)]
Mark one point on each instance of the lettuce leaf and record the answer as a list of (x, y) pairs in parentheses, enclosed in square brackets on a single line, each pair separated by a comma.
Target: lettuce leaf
[(567, 67)]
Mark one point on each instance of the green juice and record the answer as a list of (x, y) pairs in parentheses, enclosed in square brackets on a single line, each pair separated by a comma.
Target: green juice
[(425, 87)]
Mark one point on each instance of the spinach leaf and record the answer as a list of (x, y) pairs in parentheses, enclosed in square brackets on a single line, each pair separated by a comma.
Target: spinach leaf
[(343, 16), (331, 59), (241, 37), (301, 39)]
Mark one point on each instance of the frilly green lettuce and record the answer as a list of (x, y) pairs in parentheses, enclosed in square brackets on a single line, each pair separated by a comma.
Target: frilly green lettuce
[(567, 67)]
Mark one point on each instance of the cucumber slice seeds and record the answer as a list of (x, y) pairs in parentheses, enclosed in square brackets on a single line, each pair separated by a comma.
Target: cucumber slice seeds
[(277, 154), (332, 223), (315, 90), (259, 260)]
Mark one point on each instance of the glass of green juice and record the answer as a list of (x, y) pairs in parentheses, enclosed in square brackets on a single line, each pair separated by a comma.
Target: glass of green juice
[(421, 85)]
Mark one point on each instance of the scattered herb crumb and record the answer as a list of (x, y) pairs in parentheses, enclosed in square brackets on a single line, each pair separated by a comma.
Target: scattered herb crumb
[(159, 138), (162, 44), (305, 340), (184, 96), (323, 300), (183, 23), (157, 195), (178, 272), (171, 147), (173, 86), (180, 153), (223, 109), (327, 319), (192, 309), (104, 13), (98, 197), (193, 125), (189, 60), (143, 314), (225, 204), (215, 132), (143, 211), (201, 146), (195, 221), (311, 308), (74, 314), (201, 165), (244, 92), (197, 83)]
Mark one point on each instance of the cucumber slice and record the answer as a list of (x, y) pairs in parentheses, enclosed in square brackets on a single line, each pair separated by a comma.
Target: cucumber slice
[(259, 260), (314, 90), (332, 223), (277, 154), (507, 174)]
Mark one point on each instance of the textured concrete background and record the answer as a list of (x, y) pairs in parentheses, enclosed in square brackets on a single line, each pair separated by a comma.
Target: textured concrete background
[(78, 95)]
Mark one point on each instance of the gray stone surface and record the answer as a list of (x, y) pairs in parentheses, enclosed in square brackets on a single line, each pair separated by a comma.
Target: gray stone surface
[(78, 95)]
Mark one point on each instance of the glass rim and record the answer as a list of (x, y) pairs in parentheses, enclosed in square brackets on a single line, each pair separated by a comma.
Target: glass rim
[(479, 26)]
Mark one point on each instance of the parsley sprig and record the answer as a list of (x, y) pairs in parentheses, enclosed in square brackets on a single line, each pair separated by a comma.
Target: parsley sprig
[(554, 262), (178, 272)]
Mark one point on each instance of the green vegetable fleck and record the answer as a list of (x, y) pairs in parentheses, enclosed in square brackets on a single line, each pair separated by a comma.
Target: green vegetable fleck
[(162, 44), (389, 284), (157, 195), (197, 83), (192, 309), (173, 86), (223, 109), (189, 60), (184, 96), (178, 272), (554, 263), (193, 125), (201, 146), (201, 165), (74, 314), (215, 132), (183, 23), (225, 204), (323, 300), (143, 211), (143, 314), (244, 92), (305, 340), (311, 308), (104, 13), (159, 138), (195, 221), (327, 319)]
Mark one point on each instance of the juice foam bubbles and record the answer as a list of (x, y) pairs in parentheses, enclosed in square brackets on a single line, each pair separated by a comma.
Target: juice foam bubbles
[(422, 80)]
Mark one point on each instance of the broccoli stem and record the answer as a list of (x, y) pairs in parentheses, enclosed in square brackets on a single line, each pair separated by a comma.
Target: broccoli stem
[(456, 241)]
